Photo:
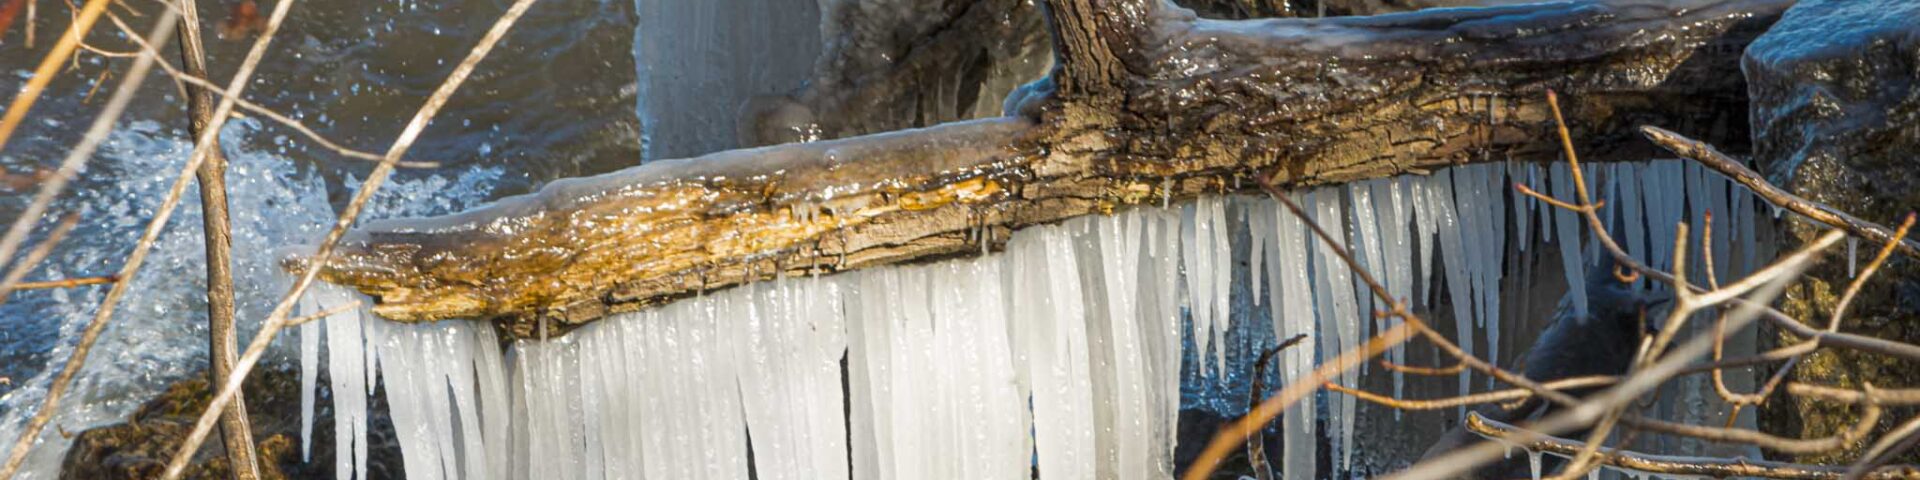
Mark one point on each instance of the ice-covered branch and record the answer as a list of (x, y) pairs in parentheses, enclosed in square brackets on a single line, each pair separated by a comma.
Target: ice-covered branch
[(1149, 104)]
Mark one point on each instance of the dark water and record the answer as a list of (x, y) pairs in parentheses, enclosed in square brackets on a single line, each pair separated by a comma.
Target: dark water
[(555, 99)]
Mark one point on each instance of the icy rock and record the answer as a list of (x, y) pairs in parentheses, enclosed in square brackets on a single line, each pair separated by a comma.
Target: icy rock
[(1833, 116)]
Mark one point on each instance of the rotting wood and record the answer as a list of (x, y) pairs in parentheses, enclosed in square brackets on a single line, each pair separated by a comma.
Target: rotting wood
[(1151, 105)]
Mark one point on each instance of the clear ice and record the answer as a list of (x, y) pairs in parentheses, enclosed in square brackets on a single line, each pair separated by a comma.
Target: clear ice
[(1062, 354)]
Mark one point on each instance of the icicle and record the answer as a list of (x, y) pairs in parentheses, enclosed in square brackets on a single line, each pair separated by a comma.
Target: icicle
[(1198, 263), (1421, 198), (1128, 387), (309, 373), (1368, 252), (1160, 332), (1546, 211), (1257, 230), (1222, 284), (1398, 260), (1467, 184), (1343, 319), (1749, 245), (1297, 317), (1522, 210), (1533, 464), (1492, 205), (790, 380), (346, 362), (1658, 208), (1632, 214), (1567, 223), (1453, 251), (1853, 255), (1048, 311)]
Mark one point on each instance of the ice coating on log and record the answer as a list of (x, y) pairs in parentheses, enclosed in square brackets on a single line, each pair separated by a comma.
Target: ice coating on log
[(582, 235), (945, 361), (1286, 109)]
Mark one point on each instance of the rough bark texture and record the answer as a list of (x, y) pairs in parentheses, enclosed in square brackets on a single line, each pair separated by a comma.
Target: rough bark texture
[(219, 244), (1146, 104), (1836, 92)]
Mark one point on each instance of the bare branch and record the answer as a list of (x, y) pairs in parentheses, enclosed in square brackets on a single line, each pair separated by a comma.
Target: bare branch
[(1819, 212), (1474, 399), (235, 431), (1671, 465)]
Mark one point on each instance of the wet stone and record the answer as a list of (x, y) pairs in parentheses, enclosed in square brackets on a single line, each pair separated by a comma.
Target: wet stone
[(1836, 119)]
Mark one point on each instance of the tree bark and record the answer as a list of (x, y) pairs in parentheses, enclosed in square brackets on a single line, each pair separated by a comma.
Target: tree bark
[(235, 431), (1146, 105)]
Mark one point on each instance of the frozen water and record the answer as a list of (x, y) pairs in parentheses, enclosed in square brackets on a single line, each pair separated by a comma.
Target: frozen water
[(1063, 353), (1568, 225)]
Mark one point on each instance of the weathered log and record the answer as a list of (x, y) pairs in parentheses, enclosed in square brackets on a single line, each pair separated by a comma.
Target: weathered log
[(1146, 104)]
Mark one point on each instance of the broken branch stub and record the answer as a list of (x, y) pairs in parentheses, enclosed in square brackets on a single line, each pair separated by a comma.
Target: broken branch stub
[(1147, 104)]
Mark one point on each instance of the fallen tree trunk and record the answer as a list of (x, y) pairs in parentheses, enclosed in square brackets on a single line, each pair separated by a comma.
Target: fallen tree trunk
[(1146, 104)]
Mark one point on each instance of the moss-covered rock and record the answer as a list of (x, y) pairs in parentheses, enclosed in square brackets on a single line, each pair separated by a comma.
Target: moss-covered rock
[(141, 447), (1836, 114)]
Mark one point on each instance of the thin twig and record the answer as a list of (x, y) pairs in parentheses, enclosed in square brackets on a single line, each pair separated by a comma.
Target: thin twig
[(1256, 449), (1238, 431), (276, 319), (1446, 371), (263, 111), (67, 283), (1473, 399), (39, 253), (323, 314), (1653, 368), (1679, 466), (1883, 396), (1901, 439)]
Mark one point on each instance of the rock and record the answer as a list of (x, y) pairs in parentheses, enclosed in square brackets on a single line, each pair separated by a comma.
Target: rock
[(1836, 119), (140, 448)]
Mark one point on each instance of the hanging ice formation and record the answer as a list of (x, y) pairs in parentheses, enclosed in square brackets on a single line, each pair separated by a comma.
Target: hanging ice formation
[(1062, 354)]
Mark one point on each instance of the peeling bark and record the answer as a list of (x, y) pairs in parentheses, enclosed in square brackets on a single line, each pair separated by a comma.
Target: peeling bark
[(1149, 104)]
